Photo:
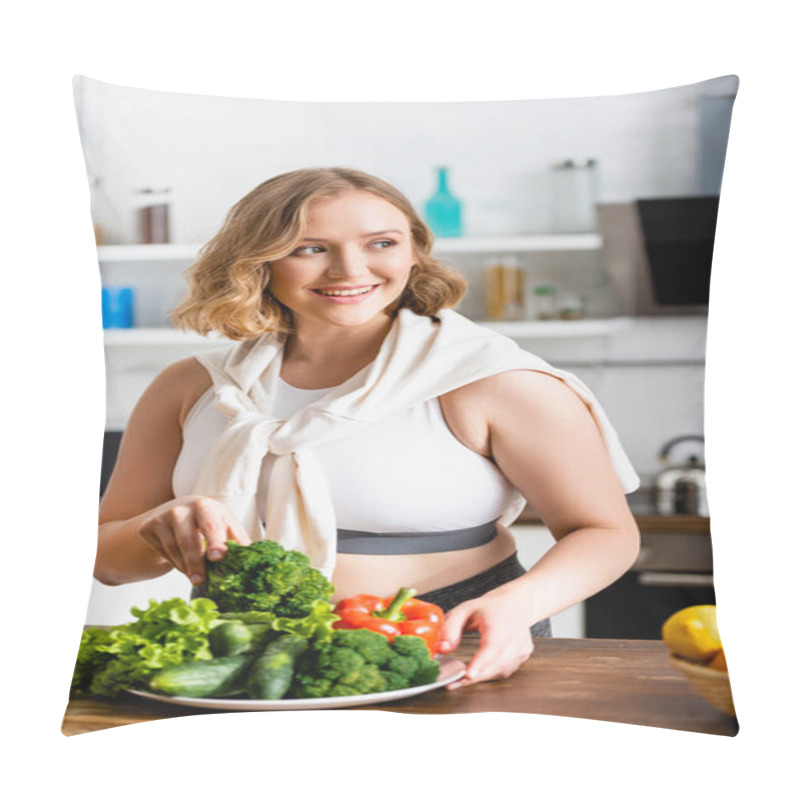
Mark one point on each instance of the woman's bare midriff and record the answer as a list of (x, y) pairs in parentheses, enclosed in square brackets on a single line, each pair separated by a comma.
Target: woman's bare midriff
[(384, 575)]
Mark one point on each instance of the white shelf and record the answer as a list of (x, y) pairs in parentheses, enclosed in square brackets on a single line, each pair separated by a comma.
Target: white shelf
[(519, 244), (154, 337), (554, 329), (148, 337), (132, 253)]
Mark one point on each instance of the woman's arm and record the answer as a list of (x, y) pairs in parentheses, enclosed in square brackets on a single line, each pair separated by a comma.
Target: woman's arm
[(144, 530), (545, 441)]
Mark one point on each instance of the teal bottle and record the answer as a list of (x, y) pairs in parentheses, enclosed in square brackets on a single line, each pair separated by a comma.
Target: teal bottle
[(443, 209)]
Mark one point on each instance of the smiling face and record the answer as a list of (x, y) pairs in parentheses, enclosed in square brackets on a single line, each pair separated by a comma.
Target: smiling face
[(353, 261)]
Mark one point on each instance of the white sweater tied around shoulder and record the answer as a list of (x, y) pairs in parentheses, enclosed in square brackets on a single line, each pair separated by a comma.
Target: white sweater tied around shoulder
[(420, 359)]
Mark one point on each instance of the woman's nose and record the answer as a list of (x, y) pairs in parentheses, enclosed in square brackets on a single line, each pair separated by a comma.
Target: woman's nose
[(347, 262)]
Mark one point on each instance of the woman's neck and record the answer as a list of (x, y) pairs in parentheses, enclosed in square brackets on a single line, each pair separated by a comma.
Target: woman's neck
[(317, 358)]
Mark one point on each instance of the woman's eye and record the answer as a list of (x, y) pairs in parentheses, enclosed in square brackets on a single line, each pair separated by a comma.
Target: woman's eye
[(301, 251), (383, 244)]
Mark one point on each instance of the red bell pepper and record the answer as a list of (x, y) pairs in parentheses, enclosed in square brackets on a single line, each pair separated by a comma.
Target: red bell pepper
[(401, 615)]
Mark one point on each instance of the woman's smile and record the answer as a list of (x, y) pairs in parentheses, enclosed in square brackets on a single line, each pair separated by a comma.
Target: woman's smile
[(346, 294)]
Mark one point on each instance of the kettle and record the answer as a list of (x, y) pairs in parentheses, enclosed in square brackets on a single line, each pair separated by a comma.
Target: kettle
[(681, 489)]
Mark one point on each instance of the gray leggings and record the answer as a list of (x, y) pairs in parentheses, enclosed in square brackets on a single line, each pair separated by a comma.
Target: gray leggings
[(449, 596)]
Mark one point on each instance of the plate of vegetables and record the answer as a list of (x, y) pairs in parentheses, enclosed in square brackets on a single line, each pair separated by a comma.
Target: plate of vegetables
[(449, 670), (264, 635)]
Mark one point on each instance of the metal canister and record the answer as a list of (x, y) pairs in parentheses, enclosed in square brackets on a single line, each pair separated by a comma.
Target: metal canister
[(153, 216), (681, 488)]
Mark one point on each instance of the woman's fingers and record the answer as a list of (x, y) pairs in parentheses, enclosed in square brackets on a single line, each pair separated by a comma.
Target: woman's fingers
[(492, 662), (187, 537), (213, 526), (455, 622), (191, 529), (497, 659), (505, 643), (159, 534)]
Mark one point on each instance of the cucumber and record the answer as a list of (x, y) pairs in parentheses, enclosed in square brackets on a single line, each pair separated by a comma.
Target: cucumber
[(234, 637), (209, 678), (230, 639), (271, 674)]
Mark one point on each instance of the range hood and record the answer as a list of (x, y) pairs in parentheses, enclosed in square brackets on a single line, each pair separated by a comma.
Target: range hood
[(658, 253)]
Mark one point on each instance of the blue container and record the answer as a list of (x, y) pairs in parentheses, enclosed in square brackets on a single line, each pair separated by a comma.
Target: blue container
[(117, 306), (443, 209)]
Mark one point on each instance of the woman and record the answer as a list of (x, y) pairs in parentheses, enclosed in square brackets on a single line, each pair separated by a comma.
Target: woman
[(367, 421)]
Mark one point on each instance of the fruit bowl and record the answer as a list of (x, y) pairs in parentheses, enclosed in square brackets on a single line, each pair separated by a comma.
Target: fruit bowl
[(711, 684)]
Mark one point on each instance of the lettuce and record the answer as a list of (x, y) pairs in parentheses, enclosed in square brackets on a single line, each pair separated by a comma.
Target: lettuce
[(124, 656)]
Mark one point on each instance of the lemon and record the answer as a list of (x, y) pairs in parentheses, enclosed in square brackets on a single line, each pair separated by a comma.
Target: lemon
[(692, 633), (719, 662)]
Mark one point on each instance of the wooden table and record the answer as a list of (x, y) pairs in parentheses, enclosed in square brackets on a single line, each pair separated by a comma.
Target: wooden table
[(612, 680)]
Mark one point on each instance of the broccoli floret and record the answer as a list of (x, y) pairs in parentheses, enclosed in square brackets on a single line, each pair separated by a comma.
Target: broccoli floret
[(264, 576), (414, 652), (360, 661), (373, 648)]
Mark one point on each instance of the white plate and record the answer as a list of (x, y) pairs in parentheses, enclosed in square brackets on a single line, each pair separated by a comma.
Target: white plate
[(451, 670)]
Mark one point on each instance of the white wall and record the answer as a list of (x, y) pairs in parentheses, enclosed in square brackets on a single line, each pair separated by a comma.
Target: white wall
[(212, 150)]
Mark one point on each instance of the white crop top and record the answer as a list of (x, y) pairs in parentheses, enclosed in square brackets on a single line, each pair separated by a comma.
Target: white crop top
[(404, 474)]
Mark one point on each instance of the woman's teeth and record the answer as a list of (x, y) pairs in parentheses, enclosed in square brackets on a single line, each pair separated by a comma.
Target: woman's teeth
[(343, 292)]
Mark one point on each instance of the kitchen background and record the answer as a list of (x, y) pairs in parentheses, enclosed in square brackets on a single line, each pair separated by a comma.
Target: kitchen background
[(178, 162)]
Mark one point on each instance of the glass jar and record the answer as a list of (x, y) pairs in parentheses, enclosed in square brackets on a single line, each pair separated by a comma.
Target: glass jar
[(504, 282), (574, 196), (544, 303), (571, 306)]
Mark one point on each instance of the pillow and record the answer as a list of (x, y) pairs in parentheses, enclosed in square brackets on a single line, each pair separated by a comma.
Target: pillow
[(584, 229)]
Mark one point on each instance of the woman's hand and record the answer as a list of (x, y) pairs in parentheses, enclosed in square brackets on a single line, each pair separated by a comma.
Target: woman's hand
[(505, 637), (184, 530)]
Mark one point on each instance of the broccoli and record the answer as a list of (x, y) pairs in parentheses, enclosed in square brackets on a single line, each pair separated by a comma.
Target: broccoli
[(359, 661), (264, 576)]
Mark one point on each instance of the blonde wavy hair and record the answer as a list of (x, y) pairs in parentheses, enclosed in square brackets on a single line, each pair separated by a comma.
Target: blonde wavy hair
[(229, 282)]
